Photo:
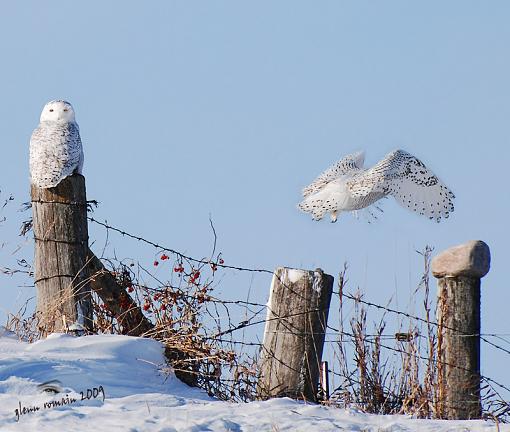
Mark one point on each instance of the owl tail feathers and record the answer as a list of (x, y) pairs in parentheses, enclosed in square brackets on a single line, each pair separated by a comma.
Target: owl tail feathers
[(314, 206)]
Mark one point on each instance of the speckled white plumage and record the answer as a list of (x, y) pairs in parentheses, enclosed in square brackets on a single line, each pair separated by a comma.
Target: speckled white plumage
[(55, 146), (347, 186)]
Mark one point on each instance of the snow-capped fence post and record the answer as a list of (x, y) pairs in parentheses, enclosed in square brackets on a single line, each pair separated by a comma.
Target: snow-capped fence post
[(459, 270), (61, 247), (294, 335)]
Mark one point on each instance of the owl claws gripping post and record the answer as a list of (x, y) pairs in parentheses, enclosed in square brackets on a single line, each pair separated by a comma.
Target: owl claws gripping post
[(347, 186), (55, 146)]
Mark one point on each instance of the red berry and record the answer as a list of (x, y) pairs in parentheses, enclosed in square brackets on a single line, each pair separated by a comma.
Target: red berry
[(163, 307), (130, 289), (156, 263), (146, 307), (164, 257), (221, 261)]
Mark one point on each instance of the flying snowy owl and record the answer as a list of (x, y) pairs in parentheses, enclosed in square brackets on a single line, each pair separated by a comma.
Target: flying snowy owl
[(347, 186), (55, 146)]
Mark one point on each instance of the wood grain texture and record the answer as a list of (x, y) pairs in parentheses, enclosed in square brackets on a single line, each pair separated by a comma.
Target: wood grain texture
[(459, 355), (61, 246), (294, 335), (128, 314)]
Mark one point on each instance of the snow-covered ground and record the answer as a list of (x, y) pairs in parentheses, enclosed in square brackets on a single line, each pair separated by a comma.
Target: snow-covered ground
[(137, 397)]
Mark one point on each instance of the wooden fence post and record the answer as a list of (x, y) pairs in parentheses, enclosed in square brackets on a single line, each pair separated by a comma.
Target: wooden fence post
[(459, 270), (61, 247), (294, 335), (126, 311)]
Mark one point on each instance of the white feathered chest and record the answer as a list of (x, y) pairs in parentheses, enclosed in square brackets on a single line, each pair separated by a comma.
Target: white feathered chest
[(55, 151)]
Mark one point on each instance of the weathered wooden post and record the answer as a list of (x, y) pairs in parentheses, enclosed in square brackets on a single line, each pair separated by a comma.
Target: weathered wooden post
[(61, 247), (459, 270), (294, 335), (127, 312), (324, 380)]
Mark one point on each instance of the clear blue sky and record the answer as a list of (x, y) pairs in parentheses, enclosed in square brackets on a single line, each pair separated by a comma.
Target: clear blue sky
[(229, 108)]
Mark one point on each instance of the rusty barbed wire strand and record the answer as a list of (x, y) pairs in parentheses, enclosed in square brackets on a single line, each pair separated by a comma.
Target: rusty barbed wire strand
[(484, 377), (263, 270), (175, 252), (482, 336), (246, 323)]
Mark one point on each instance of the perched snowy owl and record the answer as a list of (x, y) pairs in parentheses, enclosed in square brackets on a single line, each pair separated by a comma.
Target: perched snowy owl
[(347, 186), (55, 146)]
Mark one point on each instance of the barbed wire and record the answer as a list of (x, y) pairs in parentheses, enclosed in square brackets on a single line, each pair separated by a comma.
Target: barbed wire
[(483, 377), (482, 336), (263, 270), (350, 337), (246, 323), (342, 333), (175, 252)]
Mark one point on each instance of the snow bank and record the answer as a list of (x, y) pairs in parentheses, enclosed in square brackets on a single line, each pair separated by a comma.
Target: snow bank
[(137, 397)]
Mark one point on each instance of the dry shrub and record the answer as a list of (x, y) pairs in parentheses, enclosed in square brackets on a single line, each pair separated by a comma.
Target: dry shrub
[(186, 319), (24, 325), (190, 322), (399, 373), (409, 383)]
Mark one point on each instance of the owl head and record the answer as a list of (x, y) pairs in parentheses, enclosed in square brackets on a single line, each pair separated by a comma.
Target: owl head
[(59, 111)]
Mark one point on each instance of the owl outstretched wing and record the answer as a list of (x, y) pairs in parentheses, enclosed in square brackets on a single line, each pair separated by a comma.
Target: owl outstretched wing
[(409, 181), (349, 164)]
